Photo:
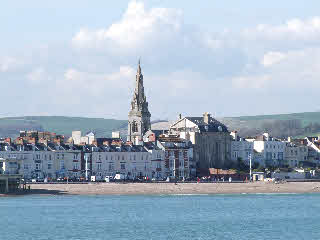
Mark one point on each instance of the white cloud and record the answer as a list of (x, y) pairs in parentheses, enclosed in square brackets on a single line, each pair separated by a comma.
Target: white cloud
[(186, 68), (39, 75), (8, 64), (137, 28), (271, 58)]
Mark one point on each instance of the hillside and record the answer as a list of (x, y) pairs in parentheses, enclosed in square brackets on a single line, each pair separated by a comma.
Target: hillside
[(61, 125), (281, 125)]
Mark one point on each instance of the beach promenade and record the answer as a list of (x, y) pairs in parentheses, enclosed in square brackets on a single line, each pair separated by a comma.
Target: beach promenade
[(171, 188)]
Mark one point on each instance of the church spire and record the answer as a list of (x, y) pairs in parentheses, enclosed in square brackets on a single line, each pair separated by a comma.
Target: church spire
[(139, 115), (139, 67)]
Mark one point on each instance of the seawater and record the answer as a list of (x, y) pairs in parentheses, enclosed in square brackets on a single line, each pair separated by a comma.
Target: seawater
[(249, 216)]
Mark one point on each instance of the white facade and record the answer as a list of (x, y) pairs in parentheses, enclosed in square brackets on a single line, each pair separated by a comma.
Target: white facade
[(273, 152), (242, 150)]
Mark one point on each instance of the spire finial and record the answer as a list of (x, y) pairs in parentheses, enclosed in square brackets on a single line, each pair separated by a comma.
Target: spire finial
[(139, 67)]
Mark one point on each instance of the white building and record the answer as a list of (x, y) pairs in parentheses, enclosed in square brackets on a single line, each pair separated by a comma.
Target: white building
[(241, 149), (271, 151)]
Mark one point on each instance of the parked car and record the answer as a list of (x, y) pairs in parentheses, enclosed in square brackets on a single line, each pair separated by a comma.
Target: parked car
[(119, 177), (108, 179)]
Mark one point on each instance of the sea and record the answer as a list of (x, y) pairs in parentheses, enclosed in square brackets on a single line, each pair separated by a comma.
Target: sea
[(176, 217)]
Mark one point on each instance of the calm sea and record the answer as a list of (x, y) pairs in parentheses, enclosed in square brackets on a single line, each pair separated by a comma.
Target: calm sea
[(292, 216)]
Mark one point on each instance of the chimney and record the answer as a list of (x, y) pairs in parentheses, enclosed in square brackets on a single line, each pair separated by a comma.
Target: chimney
[(179, 116), (206, 117), (234, 135)]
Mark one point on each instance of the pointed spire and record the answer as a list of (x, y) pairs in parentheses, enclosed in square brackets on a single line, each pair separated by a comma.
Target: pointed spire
[(139, 67)]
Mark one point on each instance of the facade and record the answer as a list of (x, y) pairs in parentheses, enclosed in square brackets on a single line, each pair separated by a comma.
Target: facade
[(133, 161), (241, 149), (313, 144), (139, 115), (296, 154), (211, 140), (272, 150), (9, 177), (178, 156), (104, 158)]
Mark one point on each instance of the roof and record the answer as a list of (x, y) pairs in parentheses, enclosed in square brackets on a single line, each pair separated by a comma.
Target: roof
[(213, 125)]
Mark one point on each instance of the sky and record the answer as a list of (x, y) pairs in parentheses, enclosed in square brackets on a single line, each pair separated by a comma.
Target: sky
[(229, 58)]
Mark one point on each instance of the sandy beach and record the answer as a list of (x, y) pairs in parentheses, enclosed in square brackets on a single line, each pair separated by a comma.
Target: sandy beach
[(171, 188)]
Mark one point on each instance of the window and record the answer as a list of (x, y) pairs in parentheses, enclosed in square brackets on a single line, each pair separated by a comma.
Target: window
[(37, 166), (269, 155), (25, 166), (49, 165), (123, 166), (171, 163), (99, 166), (280, 155), (142, 157), (111, 166), (106, 157), (134, 126), (122, 157), (58, 156), (49, 157), (181, 163), (62, 156), (99, 157), (75, 156), (62, 164)]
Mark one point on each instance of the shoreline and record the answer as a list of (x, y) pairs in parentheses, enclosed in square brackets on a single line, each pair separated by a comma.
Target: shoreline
[(170, 188)]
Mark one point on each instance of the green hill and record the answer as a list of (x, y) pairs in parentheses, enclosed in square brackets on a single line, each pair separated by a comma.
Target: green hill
[(306, 118), (61, 125), (295, 124), (281, 125)]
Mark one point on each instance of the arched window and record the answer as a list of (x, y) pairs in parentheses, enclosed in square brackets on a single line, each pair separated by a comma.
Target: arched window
[(134, 126)]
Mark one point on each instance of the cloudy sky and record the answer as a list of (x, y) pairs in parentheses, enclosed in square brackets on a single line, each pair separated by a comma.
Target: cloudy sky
[(230, 58)]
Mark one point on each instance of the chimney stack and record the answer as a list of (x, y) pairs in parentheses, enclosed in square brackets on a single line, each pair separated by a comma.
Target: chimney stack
[(206, 117)]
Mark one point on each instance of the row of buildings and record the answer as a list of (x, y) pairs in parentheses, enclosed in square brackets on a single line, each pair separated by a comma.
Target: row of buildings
[(191, 146), (266, 151)]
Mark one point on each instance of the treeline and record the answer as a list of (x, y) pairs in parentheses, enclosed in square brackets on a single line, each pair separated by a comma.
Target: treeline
[(282, 128)]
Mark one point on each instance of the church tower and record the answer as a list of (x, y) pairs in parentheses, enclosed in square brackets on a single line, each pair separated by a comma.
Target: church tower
[(139, 115)]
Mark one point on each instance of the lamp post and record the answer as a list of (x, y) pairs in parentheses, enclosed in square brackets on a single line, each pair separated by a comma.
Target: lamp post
[(250, 163), (86, 165)]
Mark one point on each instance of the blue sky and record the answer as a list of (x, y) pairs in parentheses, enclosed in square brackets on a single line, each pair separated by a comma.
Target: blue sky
[(230, 58)]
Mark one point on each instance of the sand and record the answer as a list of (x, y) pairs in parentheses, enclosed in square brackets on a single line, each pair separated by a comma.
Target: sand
[(171, 188)]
